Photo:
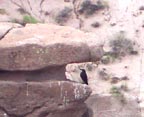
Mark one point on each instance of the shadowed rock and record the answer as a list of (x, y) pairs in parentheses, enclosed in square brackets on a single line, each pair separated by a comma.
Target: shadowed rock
[(52, 73)]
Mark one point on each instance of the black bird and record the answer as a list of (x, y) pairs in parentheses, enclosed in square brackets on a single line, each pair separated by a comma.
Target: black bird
[(83, 76)]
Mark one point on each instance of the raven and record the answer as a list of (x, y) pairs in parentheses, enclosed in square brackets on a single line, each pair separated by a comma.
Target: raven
[(83, 76)]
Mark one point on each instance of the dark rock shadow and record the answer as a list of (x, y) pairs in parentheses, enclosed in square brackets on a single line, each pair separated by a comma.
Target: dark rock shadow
[(51, 73), (88, 113)]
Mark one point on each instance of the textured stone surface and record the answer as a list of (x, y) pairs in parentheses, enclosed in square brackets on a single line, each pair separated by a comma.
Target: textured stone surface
[(41, 99), (42, 45), (6, 27), (107, 106), (124, 13)]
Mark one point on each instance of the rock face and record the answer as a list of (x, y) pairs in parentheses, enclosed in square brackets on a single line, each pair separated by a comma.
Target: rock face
[(108, 106), (45, 99), (117, 16), (41, 45), (39, 52)]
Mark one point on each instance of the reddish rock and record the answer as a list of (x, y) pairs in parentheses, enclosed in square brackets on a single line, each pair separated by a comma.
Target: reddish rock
[(30, 99), (42, 45)]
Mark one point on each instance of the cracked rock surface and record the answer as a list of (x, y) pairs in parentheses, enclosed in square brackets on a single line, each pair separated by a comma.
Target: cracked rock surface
[(42, 99), (6, 27), (38, 46)]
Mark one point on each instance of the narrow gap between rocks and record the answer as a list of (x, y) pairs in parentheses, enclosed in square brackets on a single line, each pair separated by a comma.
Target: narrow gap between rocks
[(46, 74), (5, 33)]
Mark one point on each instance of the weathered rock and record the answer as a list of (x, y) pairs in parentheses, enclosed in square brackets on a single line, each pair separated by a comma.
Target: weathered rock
[(95, 47), (73, 71), (107, 106), (78, 111), (6, 27), (42, 45), (96, 52), (43, 99)]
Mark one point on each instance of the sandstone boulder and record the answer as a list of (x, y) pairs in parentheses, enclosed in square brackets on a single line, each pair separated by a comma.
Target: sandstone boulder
[(43, 99), (42, 45)]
